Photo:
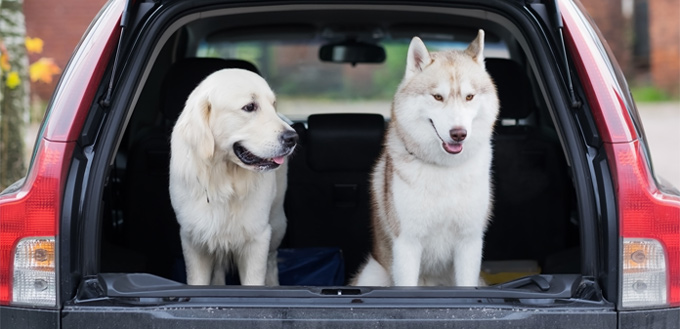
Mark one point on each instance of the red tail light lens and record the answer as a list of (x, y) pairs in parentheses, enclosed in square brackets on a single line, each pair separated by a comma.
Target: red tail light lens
[(646, 215), (33, 210)]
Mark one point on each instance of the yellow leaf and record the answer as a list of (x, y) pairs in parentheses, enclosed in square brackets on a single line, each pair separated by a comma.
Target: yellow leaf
[(43, 70), (13, 80), (4, 62), (34, 45)]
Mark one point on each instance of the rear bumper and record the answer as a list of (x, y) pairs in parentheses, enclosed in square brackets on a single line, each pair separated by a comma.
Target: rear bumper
[(337, 317), (652, 319), (28, 318), (334, 317)]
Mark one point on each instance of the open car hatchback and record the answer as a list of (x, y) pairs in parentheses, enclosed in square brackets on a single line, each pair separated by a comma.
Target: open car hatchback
[(582, 234)]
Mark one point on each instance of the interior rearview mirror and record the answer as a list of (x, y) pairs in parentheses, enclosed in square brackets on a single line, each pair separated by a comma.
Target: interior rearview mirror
[(352, 52)]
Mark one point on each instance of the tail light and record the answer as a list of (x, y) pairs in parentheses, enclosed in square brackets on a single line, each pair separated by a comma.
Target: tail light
[(28, 230), (649, 220), (650, 230), (29, 217)]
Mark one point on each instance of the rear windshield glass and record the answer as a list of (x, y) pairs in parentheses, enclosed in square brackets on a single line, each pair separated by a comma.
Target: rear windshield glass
[(305, 85)]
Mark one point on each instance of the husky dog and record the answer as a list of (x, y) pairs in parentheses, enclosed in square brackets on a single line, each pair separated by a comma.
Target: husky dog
[(431, 188), (227, 196)]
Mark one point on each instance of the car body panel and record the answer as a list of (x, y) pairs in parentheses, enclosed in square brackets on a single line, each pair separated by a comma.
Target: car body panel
[(75, 92), (21, 317)]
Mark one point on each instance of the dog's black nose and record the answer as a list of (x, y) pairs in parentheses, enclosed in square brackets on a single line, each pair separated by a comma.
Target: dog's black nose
[(458, 134), (289, 138)]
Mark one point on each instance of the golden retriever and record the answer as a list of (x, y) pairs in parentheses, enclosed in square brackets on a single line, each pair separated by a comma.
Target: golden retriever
[(226, 194)]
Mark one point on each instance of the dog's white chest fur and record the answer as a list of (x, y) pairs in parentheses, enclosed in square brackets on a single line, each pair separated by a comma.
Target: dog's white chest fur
[(218, 212), (446, 202), (448, 213)]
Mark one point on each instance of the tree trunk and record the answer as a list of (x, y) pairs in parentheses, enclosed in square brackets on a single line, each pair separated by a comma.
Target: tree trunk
[(14, 106)]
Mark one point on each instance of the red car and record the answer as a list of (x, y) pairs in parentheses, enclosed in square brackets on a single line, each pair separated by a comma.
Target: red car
[(582, 235)]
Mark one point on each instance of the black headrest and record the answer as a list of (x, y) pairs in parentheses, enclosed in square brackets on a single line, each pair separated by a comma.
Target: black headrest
[(184, 75), (514, 90), (344, 142)]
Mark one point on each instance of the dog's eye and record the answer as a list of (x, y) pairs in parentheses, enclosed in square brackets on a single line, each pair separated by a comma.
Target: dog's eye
[(250, 107), (469, 97), (438, 97)]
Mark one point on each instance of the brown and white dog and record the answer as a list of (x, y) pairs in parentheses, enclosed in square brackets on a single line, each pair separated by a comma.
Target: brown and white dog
[(431, 186)]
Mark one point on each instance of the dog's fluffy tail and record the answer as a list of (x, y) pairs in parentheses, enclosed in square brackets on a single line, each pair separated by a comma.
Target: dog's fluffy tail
[(372, 274)]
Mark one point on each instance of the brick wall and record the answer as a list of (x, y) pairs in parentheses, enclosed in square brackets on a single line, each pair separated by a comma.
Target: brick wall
[(60, 24), (608, 16), (664, 43), (664, 40)]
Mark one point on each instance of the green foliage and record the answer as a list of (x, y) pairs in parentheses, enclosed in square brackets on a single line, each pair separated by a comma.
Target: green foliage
[(649, 94), (389, 76), (294, 70)]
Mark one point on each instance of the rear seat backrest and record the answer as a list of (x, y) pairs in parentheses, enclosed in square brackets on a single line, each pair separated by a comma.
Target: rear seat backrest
[(185, 75), (514, 90), (531, 186), (327, 202), (344, 142)]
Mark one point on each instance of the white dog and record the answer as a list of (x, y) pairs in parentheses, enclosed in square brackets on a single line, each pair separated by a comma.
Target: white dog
[(226, 195), (431, 186)]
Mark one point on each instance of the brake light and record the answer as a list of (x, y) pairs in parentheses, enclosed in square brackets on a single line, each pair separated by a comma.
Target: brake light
[(649, 221), (28, 230), (650, 231)]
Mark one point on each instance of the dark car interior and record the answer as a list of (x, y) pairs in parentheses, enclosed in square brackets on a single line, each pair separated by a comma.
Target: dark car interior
[(327, 203)]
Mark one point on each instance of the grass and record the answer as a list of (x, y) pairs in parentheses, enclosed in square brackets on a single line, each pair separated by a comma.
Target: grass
[(650, 94)]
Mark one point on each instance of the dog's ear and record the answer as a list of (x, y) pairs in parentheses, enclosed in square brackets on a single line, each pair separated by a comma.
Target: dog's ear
[(417, 58), (476, 48), (197, 130)]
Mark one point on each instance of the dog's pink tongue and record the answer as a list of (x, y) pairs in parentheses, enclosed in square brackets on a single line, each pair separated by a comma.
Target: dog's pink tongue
[(279, 160), (453, 148)]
